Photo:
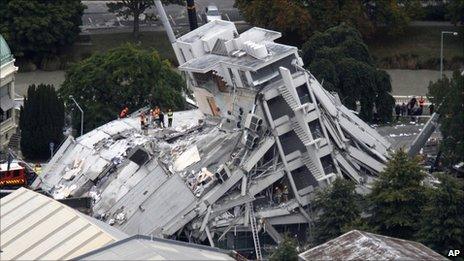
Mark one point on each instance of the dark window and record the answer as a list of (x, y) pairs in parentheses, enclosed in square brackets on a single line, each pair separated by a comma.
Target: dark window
[(316, 129), (327, 164), (279, 107), (243, 78), (303, 178), (290, 143), (303, 94)]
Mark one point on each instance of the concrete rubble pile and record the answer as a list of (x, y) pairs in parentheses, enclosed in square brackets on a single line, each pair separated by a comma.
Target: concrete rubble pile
[(263, 125)]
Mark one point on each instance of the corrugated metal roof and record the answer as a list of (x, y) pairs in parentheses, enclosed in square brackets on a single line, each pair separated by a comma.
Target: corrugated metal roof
[(146, 248), (359, 245), (35, 227)]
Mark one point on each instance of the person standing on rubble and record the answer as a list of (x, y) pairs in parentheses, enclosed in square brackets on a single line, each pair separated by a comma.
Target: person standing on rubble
[(161, 119), (150, 118), (143, 123), (156, 112), (170, 115), (124, 113)]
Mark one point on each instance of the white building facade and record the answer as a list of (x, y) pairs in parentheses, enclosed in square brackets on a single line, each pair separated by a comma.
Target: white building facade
[(8, 123)]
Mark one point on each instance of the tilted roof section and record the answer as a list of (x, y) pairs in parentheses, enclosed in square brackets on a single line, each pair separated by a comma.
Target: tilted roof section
[(153, 248), (207, 62), (360, 245), (35, 227), (260, 34), (204, 30)]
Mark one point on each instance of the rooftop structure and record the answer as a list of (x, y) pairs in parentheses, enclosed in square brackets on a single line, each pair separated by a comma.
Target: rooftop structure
[(265, 137), (152, 248), (360, 245), (36, 227)]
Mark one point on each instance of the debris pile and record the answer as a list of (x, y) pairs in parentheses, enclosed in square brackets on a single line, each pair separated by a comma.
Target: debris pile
[(265, 137)]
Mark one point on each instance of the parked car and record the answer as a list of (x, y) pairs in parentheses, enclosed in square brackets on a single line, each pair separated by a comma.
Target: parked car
[(212, 13)]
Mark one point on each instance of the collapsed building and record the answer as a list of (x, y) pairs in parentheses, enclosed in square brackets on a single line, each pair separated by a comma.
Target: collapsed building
[(264, 124)]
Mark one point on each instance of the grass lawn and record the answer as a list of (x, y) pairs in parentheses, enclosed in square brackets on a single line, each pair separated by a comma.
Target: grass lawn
[(99, 43), (420, 41)]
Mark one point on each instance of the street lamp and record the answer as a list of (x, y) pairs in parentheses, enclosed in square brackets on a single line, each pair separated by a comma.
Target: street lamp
[(82, 114), (441, 50)]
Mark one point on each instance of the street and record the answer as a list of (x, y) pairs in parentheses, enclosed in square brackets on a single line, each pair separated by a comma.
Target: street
[(96, 16)]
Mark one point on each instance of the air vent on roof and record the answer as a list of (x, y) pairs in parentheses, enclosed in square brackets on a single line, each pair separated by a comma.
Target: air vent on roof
[(256, 50), (253, 122)]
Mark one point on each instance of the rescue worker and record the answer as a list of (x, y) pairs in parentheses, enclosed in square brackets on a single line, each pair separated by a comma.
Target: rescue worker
[(124, 113), (156, 112), (38, 169), (161, 119), (143, 122), (421, 102), (285, 194), (150, 118), (278, 195), (170, 115)]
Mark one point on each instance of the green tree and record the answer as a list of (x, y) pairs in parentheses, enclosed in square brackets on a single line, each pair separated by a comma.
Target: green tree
[(330, 13), (134, 8), (286, 251), (338, 209), (442, 222), (298, 18), (340, 58), (40, 28), (41, 121), (286, 16), (397, 197), (125, 76), (455, 12), (448, 96)]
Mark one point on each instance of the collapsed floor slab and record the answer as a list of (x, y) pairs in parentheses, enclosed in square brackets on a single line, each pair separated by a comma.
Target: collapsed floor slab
[(269, 136)]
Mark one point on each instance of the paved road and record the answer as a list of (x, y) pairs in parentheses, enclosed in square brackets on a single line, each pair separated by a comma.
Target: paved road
[(413, 82), (402, 135), (24, 79), (96, 15)]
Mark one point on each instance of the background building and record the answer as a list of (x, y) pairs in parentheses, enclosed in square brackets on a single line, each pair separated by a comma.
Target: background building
[(8, 123)]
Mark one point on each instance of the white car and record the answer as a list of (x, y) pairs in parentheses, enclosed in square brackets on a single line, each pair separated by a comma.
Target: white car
[(212, 13)]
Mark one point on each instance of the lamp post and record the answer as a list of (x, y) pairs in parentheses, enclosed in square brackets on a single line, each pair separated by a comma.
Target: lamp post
[(441, 50), (82, 114)]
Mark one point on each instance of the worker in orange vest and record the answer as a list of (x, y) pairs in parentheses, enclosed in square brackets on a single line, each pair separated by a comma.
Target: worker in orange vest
[(124, 113), (156, 116), (421, 102), (143, 123)]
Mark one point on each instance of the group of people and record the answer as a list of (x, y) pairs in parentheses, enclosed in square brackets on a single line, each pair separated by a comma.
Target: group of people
[(413, 108), (155, 117)]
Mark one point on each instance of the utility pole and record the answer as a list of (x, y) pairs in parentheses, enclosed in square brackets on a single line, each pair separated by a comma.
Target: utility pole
[(82, 114), (441, 50), (192, 14)]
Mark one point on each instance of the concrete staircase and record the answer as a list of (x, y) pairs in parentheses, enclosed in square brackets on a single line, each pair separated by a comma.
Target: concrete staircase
[(309, 163), (289, 98), (301, 133)]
